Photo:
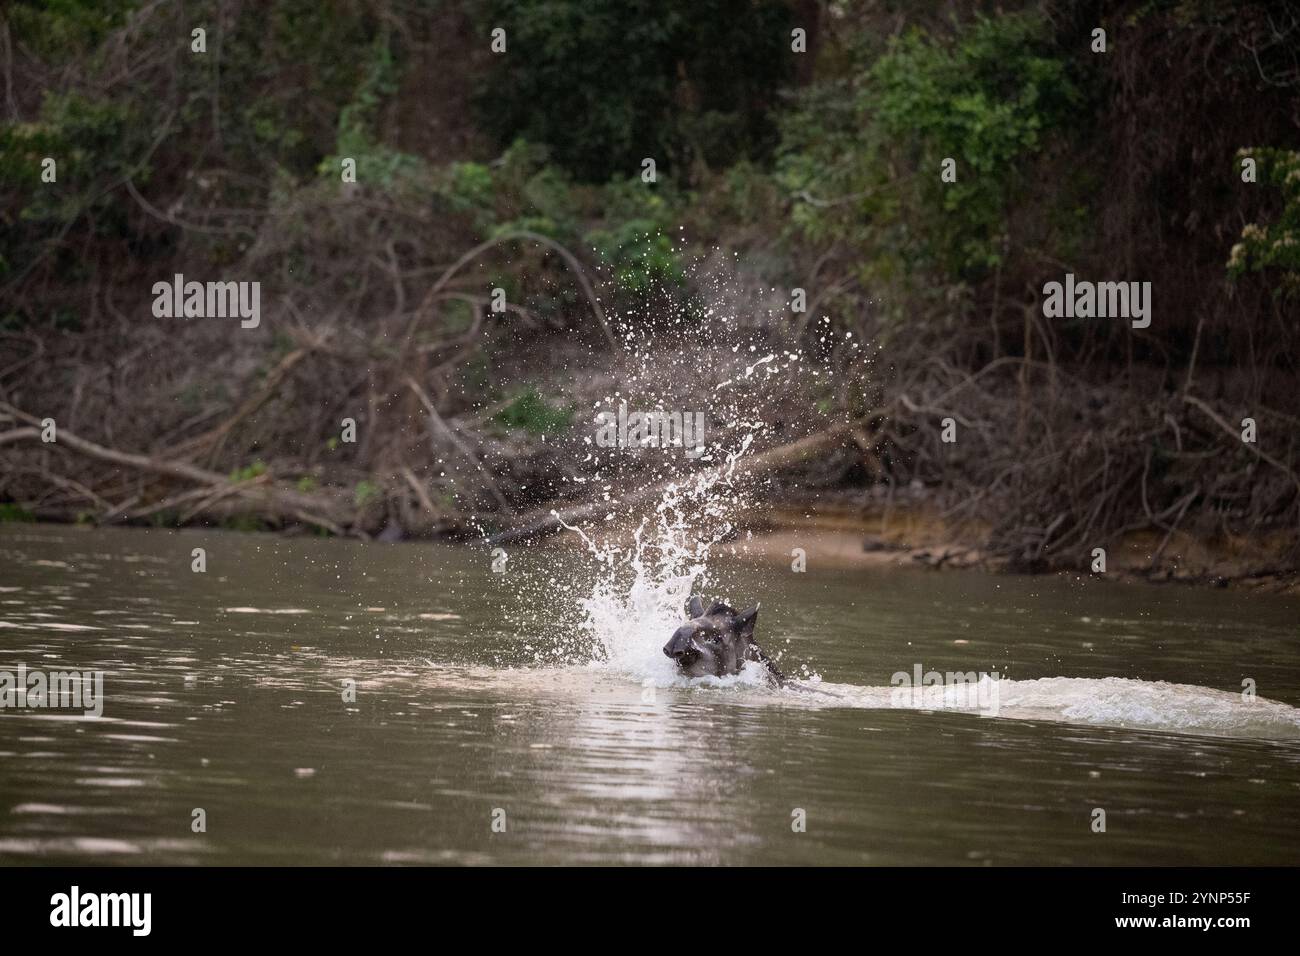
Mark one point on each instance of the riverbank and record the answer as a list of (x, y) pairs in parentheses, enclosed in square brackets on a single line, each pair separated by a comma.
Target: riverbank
[(917, 536)]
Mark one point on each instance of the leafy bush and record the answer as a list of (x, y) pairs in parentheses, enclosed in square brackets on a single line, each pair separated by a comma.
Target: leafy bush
[(249, 472), (635, 243), (358, 137), (1273, 246), (61, 27), (10, 512), (365, 491), (533, 413), (863, 155)]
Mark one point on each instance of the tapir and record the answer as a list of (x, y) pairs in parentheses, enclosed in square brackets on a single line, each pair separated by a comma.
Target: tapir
[(718, 642)]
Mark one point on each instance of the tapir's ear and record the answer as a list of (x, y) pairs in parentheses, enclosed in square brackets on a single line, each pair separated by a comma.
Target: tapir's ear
[(745, 622), (694, 607)]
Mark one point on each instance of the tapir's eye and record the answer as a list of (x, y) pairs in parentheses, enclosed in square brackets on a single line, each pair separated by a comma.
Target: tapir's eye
[(713, 637)]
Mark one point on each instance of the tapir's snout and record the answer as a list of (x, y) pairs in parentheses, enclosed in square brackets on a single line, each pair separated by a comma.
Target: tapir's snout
[(682, 647), (717, 642)]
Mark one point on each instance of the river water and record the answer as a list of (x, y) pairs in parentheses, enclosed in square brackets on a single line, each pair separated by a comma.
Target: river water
[(478, 733)]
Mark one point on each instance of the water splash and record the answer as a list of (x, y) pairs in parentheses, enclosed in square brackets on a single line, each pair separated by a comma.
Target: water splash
[(641, 589), (663, 511), (720, 354)]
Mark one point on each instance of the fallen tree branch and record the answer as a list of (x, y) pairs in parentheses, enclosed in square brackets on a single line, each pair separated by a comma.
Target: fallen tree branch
[(217, 435), (19, 434), (421, 493), (441, 427), (1215, 417), (329, 511), (772, 460), (570, 259)]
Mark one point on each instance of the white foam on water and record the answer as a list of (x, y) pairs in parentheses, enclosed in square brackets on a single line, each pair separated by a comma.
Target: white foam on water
[(1118, 702), (1153, 705)]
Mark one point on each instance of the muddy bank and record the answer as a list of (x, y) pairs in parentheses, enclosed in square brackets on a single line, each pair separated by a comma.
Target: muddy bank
[(917, 536)]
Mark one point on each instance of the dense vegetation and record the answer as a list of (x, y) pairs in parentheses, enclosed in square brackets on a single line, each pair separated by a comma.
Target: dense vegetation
[(819, 170)]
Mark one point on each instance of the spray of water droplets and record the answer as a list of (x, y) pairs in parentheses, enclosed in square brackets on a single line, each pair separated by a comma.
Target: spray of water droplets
[(662, 511)]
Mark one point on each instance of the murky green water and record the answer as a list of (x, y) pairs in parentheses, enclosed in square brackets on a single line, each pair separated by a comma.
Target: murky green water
[(224, 691)]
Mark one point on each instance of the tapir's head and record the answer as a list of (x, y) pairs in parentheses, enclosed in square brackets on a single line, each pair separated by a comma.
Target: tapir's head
[(717, 641)]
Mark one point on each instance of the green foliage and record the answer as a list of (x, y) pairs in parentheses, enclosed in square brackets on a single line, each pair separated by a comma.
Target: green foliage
[(364, 492), (636, 245), (457, 317), (128, 101), (248, 473), (10, 512), (90, 141), (864, 155), (640, 256), (531, 412), (523, 191), (520, 190), (61, 27), (550, 204), (245, 522), (605, 83), (469, 187), (1275, 246), (358, 137), (299, 81)]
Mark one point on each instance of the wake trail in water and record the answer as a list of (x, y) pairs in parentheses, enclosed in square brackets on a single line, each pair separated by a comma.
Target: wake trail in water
[(1110, 702), (640, 591), (1105, 702)]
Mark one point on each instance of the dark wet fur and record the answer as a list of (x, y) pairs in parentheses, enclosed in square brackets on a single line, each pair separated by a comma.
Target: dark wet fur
[(718, 642)]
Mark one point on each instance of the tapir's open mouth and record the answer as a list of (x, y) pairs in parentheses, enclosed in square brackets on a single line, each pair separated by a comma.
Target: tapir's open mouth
[(683, 658)]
